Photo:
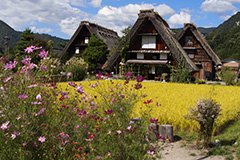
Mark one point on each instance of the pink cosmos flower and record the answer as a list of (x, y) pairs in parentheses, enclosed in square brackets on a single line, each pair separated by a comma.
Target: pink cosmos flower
[(13, 136), (150, 152), (24, 144), (31, 66), (30, 49), (5, 125), (10, 65), (6, 79), (122, 64), (108, 154), (44, 68), (131, 122), (39, 97), (69, 74), (35, 144), (119, 132), (26, 60), (23, 96), (129, 127), (41, 139), (36, 102), (43, 54), (32, 85)]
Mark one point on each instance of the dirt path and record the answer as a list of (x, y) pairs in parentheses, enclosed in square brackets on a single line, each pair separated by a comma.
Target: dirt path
[(180, 151)]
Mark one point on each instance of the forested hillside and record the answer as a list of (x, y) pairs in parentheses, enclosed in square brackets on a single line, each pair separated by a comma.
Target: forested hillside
[(225, 39), (6, 30)]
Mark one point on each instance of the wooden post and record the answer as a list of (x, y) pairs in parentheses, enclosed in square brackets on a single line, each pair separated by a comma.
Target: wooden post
[(166, 130)]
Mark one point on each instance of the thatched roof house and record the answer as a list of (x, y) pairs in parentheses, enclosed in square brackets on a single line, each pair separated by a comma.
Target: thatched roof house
[(199, 51), (79, 40), (151, 42)]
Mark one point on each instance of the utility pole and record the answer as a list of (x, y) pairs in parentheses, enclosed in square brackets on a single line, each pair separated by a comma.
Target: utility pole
[(6, 39)]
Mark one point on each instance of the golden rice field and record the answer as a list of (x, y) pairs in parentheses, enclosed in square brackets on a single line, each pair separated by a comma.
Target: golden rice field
[(175, 98)]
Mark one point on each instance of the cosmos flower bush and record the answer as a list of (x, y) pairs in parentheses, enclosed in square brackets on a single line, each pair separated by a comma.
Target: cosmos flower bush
[(42, 121)]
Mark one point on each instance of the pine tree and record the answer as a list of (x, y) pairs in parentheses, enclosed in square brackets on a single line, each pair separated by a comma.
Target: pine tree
[(26, 37)]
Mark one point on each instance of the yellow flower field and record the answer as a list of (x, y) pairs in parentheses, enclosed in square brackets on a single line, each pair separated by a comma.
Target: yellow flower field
[(176, 98)]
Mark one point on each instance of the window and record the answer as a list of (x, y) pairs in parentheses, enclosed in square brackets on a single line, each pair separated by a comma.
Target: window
[(86, 40), (149, 42), (152, 70), (140, 56), (154, 57), (77, 50), (163, 56), (189, 40), (191, 55)]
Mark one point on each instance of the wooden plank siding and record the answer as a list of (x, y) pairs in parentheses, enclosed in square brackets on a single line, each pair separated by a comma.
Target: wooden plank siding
[(200, 58)]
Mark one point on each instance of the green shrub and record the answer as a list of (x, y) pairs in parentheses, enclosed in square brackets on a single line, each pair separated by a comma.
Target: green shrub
[(227, 76), (200, 81), (182, 76), (77, 67)]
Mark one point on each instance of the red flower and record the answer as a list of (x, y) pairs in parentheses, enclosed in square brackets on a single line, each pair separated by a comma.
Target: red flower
[(109, 111), (148, 101), (154, 120)]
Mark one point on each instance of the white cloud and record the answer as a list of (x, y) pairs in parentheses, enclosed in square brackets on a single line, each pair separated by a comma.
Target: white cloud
[(32, 12), (40, 30), (69, 25), (96, 3), (121, 17), (219, 6), (225, 17), (80, 3), (179, 19)]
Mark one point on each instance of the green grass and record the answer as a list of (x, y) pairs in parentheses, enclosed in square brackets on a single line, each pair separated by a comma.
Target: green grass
[(188, 136), (228, 138)]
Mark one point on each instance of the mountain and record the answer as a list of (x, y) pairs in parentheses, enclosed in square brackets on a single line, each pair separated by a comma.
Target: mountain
[(228, 24), (6, 30), (203, 30), (225, 39)]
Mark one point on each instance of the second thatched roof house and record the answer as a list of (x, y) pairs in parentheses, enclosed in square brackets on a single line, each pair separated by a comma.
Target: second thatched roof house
[(79, 41), (151, 48), (199, 51)]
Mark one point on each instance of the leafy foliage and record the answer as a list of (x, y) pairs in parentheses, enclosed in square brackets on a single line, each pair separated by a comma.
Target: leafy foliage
[(96, 52), (77, 66), (225, 39), (26, 37), (180, 74), (227, 76)]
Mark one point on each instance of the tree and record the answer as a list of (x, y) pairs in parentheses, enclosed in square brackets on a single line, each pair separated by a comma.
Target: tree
[(26, 37), (96, 52)]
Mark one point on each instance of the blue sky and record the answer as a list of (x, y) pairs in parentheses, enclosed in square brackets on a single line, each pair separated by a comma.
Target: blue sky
[(62, 17)]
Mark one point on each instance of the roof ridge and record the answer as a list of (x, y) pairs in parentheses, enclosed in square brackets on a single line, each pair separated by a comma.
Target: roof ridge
[(95, 24)]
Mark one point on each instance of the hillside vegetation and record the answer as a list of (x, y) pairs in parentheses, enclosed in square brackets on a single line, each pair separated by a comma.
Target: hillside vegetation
[(6, 30), (225, 39)]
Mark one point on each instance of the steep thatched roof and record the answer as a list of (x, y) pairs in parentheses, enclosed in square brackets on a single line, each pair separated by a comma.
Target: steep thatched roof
[(109, 36), (166, 34), (201, 39)]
